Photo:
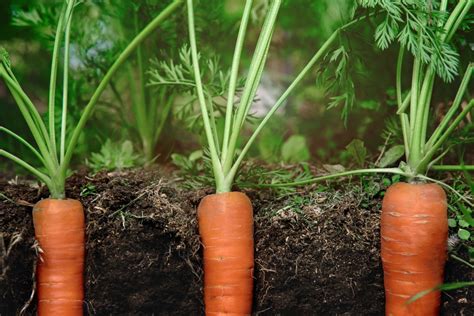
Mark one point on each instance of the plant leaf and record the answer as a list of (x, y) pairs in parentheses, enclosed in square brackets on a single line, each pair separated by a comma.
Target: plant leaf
[(196, 155), (464, 234), (391, 156)]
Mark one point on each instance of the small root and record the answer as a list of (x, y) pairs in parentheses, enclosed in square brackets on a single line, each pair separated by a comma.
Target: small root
[(33, 289)]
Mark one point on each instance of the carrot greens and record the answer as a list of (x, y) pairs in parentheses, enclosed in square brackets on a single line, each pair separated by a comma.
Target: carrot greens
[(426, 33), (225, 155), (53, 153)]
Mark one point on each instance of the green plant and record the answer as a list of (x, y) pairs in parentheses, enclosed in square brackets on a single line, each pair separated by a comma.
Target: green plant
[(114, 156), (55, 154), (223, 146), (150, 107), (178, 77), (88, 189), (432, 55)]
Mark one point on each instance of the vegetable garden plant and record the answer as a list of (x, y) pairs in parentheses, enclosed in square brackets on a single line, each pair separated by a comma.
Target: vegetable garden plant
[(226, 217), (58, 221), (414, 224)]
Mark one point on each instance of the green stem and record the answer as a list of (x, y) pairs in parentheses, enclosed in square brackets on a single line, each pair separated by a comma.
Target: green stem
[(19, 94), (319, 54), (433, 149), (253, 79), (234, 76), (455, 19), (43, 177), (65, 85), (112, 70), (415, 152), (405, 104), (28, 111), (453, 168), (405, 123), (401, 52), (163, 118), (141, 100), (24, 142), (217, 168), (54, 73), (212, 116), (434, 161), (334, 175), (423, 105), (453, 109), (140, 61), (229, 178), (426, 112)]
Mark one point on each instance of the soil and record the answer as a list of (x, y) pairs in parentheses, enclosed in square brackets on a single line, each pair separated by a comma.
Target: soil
[(317, 251)]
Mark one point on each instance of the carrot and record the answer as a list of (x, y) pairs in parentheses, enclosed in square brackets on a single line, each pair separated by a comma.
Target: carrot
[(226, 229), (59, 229), (414, 231)]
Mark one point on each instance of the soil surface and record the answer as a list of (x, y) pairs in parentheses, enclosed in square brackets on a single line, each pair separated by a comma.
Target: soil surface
[(317, 251)]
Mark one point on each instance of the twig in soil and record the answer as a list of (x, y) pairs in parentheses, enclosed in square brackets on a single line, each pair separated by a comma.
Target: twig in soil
[(6, 198), (128, 204), (462, 261), (383, 149), (17, 202), (262, 311)]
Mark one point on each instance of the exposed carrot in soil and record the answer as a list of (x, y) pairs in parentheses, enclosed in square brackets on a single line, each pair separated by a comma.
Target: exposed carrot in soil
[(226, 229), (59, 229), (414, 231)]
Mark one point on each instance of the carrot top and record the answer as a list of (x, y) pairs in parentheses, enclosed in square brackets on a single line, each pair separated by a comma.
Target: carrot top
[(53, 153)]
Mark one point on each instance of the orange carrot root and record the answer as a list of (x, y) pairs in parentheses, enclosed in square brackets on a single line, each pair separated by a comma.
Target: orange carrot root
[(226, 229), (414, 231), (59, 229)]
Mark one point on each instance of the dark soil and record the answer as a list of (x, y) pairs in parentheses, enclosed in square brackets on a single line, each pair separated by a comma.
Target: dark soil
[(317, 253)]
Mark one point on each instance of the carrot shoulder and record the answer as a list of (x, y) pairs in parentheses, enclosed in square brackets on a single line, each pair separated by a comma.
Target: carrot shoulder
[(59, 229), (414, 232), (226, 229)]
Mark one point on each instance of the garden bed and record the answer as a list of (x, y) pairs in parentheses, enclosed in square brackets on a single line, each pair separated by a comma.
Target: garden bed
[(317, 253)]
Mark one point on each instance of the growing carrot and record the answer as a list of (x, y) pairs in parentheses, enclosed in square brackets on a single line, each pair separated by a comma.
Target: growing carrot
[(59, 222), (225, 218), (414, 214), (226, 229), (414, 231), (59, 229)]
